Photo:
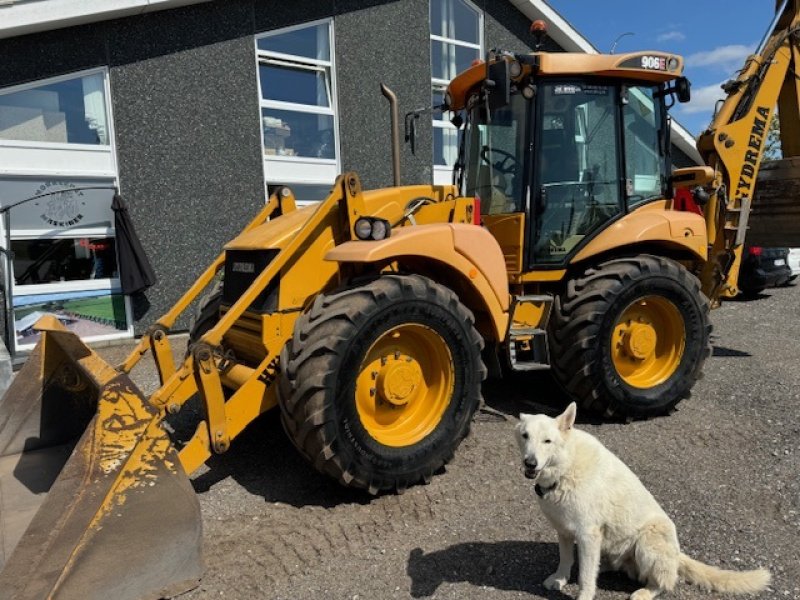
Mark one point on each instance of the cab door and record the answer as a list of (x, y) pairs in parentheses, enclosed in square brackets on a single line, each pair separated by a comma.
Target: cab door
[(577, 174)]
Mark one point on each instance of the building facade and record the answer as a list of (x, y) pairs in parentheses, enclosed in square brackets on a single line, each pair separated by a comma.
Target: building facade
[(194, 110)]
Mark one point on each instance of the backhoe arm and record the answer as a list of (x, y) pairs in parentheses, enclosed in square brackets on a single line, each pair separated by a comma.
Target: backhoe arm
[(733, 145)]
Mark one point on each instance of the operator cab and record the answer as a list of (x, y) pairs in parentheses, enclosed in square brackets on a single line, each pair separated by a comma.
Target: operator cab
[(562, 149)]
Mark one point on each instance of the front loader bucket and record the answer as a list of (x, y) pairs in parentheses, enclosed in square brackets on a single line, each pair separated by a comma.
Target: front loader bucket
[(94, 502)]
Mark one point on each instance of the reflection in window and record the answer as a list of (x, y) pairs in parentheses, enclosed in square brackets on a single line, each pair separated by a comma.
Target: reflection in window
[(52, 260), (456, 41), (292, 83), (72, 111), (306, 42), (290, 133), (85, 313)]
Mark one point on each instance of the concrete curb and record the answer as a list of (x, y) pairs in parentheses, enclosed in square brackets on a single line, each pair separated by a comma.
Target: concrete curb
[(6, 369)]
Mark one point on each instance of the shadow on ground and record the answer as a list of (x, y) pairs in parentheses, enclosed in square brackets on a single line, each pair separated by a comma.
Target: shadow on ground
[(266, 464), (263, 461), (515, 566), (722, 351), (533, 392)]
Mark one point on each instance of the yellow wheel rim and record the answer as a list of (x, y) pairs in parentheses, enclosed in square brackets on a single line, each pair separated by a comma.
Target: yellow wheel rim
[(648, 342), (404, 385)]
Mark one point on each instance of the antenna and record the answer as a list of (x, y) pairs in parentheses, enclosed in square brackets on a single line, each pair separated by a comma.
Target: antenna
[(619, 37)]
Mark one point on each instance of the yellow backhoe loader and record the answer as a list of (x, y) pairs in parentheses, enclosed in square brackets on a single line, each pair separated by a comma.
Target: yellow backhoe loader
[(369, 318)]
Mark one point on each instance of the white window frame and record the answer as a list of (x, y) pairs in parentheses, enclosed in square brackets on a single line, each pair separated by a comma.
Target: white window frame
[(443, 174), (286, 170), (56, 159)]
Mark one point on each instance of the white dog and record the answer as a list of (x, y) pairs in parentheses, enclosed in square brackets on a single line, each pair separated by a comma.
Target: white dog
[(593, 499)]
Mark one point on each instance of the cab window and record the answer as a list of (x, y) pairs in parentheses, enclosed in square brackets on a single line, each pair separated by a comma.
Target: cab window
[(577, 167)]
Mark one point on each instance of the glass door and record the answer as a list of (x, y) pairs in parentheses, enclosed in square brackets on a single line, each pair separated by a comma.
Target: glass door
[(577, 167)]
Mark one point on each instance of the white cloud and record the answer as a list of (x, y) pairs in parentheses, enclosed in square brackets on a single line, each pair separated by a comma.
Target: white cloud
[(703, 100), (671, 36), (725, 58)]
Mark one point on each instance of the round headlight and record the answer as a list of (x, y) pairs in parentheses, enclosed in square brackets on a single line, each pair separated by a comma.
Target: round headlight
[(379, 229), (528, 92), (515, 69), (363, 228)]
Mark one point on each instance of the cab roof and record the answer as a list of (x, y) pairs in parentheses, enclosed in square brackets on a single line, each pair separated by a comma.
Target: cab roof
[(656, 67)]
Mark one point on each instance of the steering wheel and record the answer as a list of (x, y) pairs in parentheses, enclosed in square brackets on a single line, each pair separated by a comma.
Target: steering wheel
[(500, 165)]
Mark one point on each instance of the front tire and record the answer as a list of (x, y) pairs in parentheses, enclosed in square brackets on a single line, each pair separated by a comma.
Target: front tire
[(629, 337), (380, 382)]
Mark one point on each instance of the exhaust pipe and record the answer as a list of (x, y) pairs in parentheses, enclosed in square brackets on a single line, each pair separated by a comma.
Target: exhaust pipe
[(395, 116)]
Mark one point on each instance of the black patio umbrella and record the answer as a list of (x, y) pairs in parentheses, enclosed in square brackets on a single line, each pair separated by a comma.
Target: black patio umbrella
[(135, 272)]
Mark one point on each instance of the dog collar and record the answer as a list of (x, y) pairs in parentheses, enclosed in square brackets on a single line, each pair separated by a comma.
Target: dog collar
[(540, 491)]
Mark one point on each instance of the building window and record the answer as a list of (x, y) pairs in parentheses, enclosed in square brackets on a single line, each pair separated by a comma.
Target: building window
[(56, 140), (68, 110), (456, 41), (298, 106)]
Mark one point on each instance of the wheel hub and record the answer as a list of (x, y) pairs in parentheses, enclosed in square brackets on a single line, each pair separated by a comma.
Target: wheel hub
[(398, 380), (639, 340), (404, 385), (647, 342)]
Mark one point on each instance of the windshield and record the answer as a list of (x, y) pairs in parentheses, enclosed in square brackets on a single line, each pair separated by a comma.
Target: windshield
[(494, 150)]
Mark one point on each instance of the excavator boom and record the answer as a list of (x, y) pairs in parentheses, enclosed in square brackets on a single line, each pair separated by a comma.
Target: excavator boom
[(733, 145)]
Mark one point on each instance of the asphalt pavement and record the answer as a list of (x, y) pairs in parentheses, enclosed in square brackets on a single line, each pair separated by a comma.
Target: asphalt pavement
[(725, 467)]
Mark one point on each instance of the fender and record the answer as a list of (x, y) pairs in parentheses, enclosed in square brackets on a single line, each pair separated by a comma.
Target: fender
[(652, 223), (470, 250)]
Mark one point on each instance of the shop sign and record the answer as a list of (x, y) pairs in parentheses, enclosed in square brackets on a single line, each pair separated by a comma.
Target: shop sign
[(70, 209)]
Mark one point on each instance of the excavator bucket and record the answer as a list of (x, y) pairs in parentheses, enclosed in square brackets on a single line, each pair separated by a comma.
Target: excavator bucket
[(94, 502)]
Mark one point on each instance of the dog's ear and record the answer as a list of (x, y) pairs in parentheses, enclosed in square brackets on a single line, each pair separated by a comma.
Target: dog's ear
[(523, 418), (567, 419)]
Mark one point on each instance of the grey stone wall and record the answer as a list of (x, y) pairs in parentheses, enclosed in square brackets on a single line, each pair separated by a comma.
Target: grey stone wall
[(385, 42), (188, 141)]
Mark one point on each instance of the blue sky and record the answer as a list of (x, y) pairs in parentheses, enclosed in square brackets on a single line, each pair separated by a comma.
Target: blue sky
[(714, 36)]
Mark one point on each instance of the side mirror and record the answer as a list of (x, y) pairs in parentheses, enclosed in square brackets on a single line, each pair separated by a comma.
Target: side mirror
[(690, 177), (498, 82), (683, 89)]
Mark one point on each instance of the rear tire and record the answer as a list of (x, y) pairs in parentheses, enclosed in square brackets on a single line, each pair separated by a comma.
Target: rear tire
[(629, 337), (380, 382), (206, 315)]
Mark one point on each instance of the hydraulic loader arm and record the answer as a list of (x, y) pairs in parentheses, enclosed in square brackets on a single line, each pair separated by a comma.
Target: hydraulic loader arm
[(733, 145)]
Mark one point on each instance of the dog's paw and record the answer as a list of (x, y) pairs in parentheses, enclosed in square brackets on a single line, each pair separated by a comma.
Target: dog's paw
[(555, 582), (585, 596), (642, 594)]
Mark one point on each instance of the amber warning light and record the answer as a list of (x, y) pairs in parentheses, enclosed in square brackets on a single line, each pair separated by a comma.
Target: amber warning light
[(539, 32)]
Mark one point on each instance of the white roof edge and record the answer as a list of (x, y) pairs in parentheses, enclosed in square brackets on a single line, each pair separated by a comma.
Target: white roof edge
[(22, 17), (569, 38)]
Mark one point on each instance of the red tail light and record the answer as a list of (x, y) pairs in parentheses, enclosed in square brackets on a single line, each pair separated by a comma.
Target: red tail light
[(476, 211), (756, 250)]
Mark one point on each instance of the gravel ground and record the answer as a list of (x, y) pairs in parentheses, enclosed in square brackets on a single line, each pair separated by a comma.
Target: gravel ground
[(725, 467)]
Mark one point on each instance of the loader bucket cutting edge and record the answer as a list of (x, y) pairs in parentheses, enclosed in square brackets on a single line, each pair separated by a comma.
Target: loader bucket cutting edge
[(94, 502)]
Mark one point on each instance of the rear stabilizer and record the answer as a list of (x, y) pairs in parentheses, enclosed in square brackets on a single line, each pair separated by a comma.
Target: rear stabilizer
[(93, 500)]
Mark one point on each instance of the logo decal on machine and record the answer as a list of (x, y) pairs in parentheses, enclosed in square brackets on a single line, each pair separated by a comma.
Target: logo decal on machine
[(243, 267), (752, 155), (651, 62)]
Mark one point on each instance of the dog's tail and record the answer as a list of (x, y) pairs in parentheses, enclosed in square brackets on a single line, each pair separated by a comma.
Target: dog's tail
[(720, 580)]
